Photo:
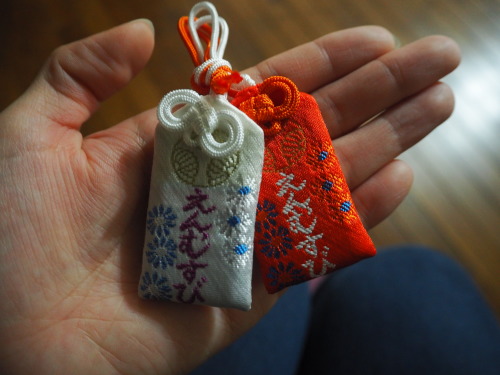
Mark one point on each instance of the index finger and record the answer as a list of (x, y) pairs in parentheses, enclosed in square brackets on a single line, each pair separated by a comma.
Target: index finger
[(322, 61)]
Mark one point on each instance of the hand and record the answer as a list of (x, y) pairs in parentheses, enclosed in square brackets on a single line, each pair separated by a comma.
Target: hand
[(73, 209)]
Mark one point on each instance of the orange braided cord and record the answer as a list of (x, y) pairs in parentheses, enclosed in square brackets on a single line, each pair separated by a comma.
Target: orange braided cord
[(203, 33), (221, 82)]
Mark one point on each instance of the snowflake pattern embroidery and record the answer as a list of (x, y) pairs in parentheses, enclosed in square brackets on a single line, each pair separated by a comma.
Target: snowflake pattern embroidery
[(276, 242), (161, 252), (155, 287), (266, 216), (282, 276), (233, 222), (242, 196), (239, 254), (160, 219), (236, 223)]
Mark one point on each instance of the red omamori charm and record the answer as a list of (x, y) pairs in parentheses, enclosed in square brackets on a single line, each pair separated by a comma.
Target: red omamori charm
[(306, 225)]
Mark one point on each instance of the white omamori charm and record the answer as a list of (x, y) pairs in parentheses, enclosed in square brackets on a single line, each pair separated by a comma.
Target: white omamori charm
[(205, 183)]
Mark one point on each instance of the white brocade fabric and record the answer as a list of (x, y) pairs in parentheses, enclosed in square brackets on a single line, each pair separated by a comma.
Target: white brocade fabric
[(205, 181)]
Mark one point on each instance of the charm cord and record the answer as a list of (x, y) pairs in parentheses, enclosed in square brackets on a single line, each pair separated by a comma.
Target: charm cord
[(213, 76), (212, 73)]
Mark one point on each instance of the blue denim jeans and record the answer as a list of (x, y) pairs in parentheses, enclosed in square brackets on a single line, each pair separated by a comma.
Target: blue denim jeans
[(408, 310)]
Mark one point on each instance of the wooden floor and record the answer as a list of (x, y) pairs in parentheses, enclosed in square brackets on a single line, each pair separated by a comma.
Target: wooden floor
[(455, 202)]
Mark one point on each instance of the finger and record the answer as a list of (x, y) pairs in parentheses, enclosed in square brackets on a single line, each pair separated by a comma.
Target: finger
[(311, 65), (379, 196), (79, 75), (324, 60), (382, 83), (365, 151), (126, 148)]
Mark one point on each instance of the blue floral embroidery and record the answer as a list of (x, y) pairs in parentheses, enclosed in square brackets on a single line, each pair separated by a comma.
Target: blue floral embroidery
[(160, 219), (282, 276), (162, 252), (266, 215), (276, 242), (155, 287)]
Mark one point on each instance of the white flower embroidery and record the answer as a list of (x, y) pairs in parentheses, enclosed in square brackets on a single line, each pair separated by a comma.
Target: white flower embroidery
[(244, 195), (239, 252), (233, 223), (237, 221)]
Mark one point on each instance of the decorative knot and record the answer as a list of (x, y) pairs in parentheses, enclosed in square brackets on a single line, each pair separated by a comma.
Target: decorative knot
[(215, 75), (197, 121), (223, 79), (269, 103)]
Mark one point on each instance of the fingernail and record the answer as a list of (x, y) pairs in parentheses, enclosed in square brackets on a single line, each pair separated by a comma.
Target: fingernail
[(146, 22)]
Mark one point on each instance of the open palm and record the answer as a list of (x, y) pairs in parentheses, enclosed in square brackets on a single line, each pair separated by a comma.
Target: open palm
[(72, 208)]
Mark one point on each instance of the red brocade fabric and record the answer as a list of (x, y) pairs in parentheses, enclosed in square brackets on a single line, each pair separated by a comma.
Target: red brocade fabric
[(306, 225)]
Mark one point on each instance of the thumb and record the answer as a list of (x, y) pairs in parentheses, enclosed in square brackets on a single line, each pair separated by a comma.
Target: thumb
[(80, 75)]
